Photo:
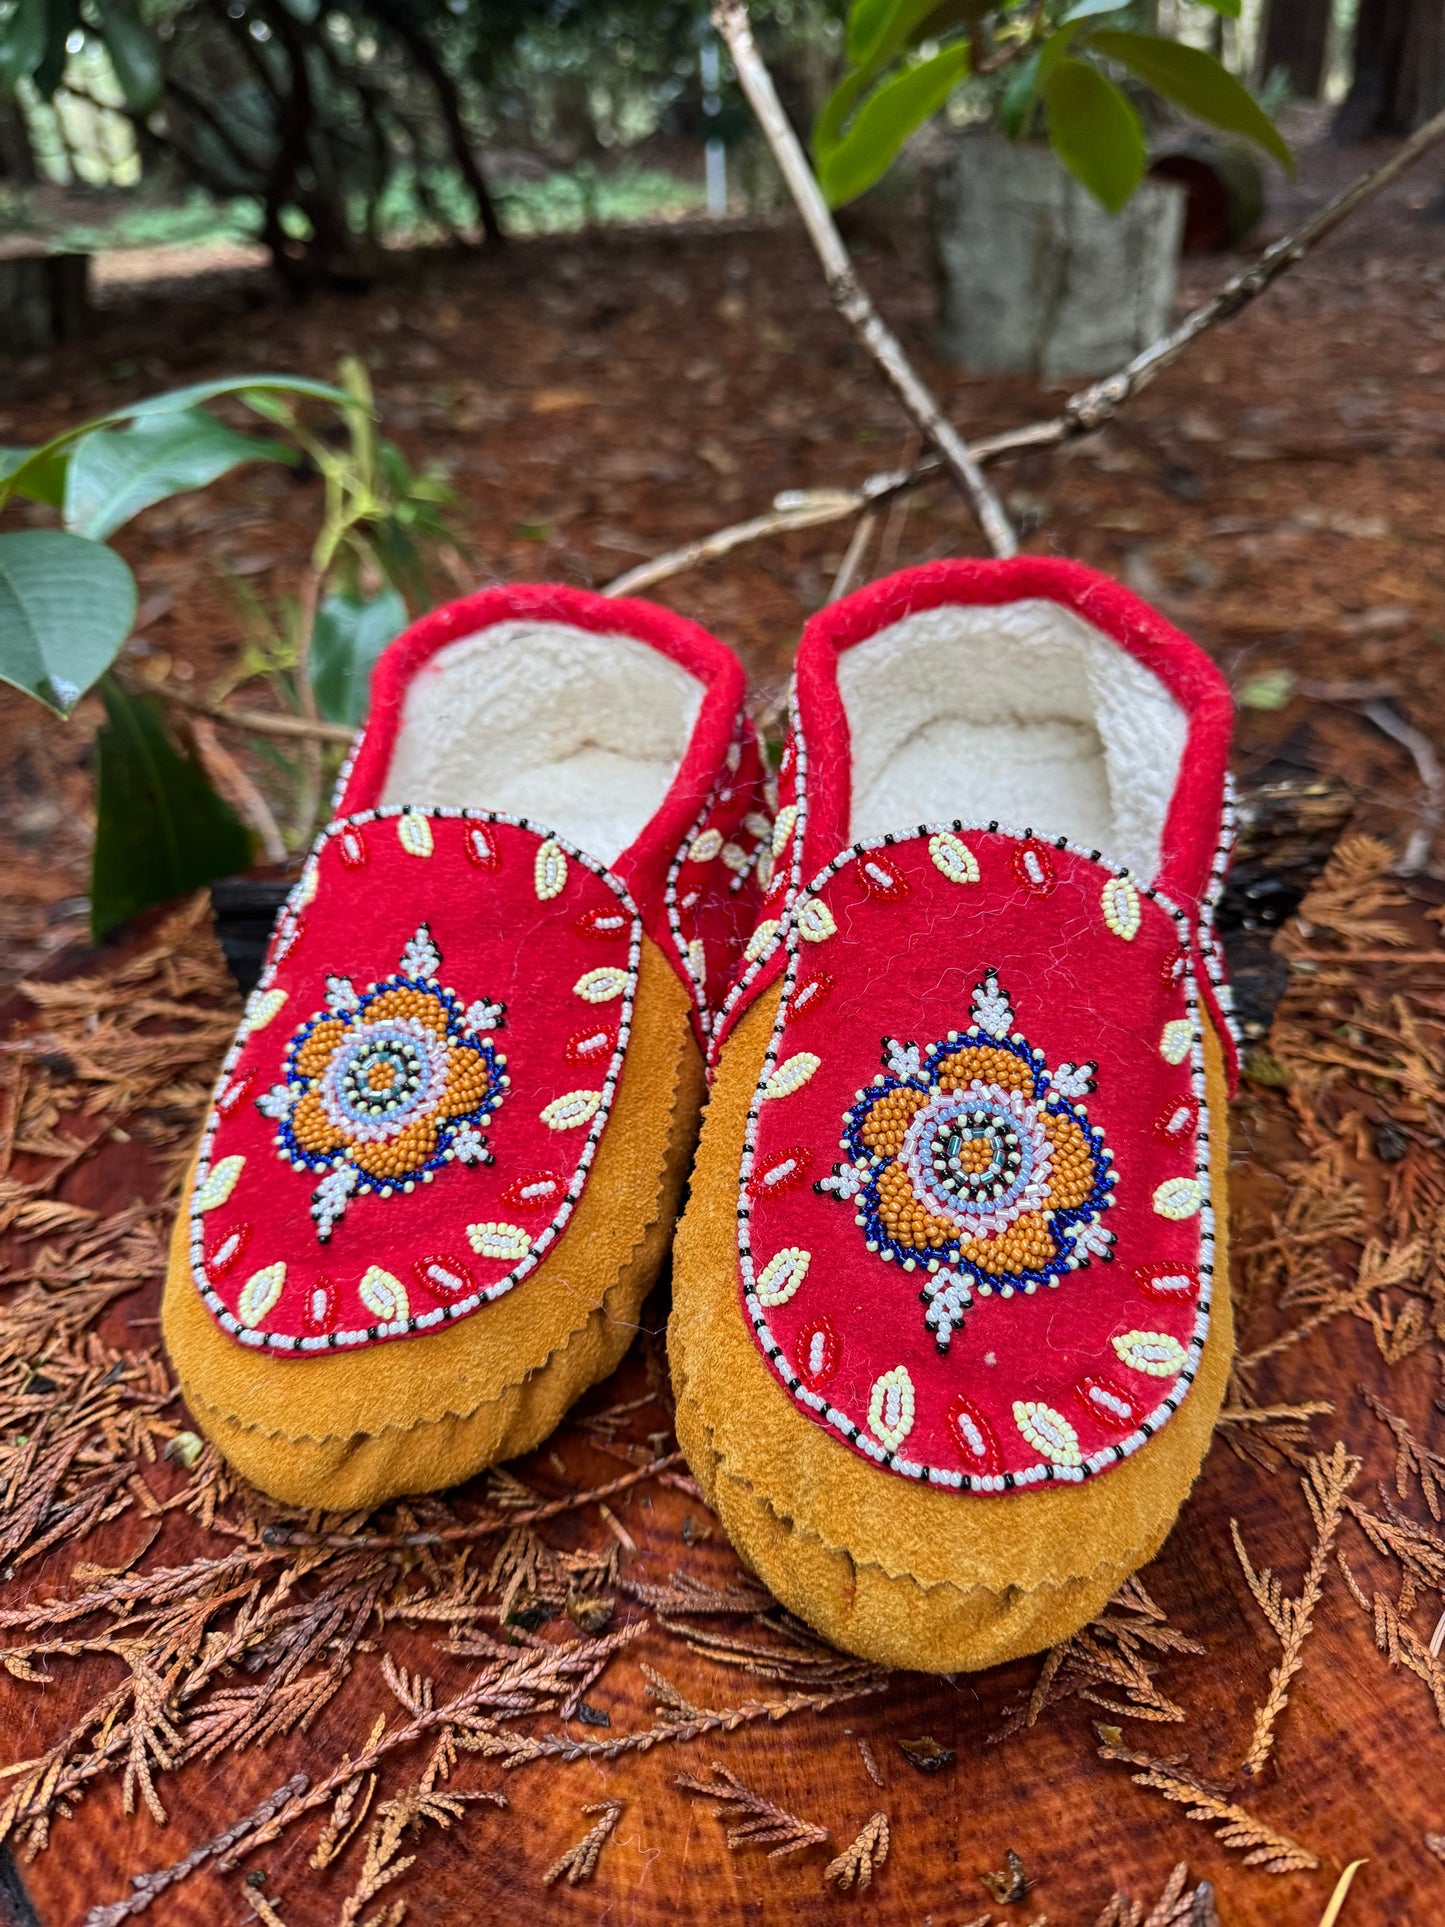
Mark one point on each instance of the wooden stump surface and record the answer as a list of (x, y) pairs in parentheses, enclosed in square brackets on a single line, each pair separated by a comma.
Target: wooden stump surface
[(1357, 1769)]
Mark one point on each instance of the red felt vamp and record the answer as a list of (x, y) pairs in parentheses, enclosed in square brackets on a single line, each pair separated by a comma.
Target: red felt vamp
[(420, 1083), (974, 1226)]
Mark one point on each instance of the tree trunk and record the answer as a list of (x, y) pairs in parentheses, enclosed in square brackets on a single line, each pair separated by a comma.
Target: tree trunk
[(1399, 78), (17, 156), (1295, 38)]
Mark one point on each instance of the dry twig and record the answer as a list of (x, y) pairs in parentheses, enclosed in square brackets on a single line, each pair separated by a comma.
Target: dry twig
[(849, 296)]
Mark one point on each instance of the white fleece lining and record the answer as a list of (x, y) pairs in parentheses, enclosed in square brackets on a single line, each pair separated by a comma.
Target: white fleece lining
[(580, 732), (1025, 713)]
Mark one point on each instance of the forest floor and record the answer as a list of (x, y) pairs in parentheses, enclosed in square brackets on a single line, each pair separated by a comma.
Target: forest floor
[(595, 399)]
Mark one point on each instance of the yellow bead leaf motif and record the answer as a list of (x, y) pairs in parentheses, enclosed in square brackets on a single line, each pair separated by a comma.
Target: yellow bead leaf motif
[(734, 858), (383, 1295), (413, 832), (890, 1407), (221, 1181), (705, 846), (792, 1074), (1153, 1352), (600, 986), (1121, 908), (549, 871), (815, 921), (697, 959), (953, 858), (780, 1277), (784, 824), (264, 1006), (573, 1108), (508, 1242), (259, 1293), (760, 939), (1048, 1432), (1174, 1044), (1179, 1198)]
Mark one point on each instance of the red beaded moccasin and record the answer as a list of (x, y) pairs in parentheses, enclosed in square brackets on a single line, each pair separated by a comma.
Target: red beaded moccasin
[(445, 1152), (951, 1320)]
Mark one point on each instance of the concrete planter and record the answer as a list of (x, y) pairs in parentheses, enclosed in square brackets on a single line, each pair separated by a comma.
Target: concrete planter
[(1034, 276)]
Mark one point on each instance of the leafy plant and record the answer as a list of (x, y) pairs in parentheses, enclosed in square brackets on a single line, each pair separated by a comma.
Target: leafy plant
[(1060, 69), (68, 602)]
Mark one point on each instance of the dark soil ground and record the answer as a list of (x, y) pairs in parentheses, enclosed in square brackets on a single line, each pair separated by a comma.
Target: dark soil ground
[(597, 399)]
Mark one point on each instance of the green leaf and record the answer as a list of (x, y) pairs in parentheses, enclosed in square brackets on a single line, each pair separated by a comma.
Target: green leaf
[(1231, 9), (885, 29), (1019, 96), (45, 483), (117, 472), (349, 636), (1196, 82), (892, 112), (23, 40), (1095, 132), (134, 53), (176, 398), (161, 829), (66, 608), (868, 23), (62, 17)]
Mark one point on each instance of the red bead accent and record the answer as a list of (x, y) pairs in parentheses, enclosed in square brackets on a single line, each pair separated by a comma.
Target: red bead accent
[(592, 1046), (351, 845), (882, 878), (285, 937), (829, 1351), (539, 1191), (236, 1092), (812, 994), (1033, 865), (1171, 968), (224, 1252), (602, 922), (1102, 1399), (481, 847), (1172, 1284), (319, 1315), (781, 1172), (973, 1437), (1177, 1121), (445, 1278)]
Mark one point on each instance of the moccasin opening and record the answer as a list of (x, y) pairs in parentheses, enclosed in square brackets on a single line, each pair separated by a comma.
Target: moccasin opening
[(580, 731), (1021, 712)]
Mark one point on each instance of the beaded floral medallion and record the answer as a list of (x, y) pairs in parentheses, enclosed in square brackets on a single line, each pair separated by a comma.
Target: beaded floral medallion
[(384, 1088), (974, 1161), (1005, 1279), (384, 1166)]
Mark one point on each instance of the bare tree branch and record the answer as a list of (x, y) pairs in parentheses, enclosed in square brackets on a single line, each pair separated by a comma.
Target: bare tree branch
[(849, 297), (1086, 411)]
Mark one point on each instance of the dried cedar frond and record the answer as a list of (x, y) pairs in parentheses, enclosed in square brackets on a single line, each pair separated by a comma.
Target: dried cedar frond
[(758, 1821), (578, 1862), (856, 1864), (1412, 1459), (1261, 1845), (1325, 1484), (1177, 1906)]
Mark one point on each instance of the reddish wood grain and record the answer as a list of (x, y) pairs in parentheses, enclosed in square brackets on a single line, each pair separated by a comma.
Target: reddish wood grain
[(1357, 1770)]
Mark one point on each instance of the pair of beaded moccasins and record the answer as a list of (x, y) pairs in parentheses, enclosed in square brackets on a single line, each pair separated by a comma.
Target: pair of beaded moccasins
[(950, 1322)]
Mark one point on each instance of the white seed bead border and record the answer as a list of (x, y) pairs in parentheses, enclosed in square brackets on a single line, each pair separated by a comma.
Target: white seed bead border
[(691, 974), (746, 978), (443, 1314), (1210, 948), (1044, 1471)]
